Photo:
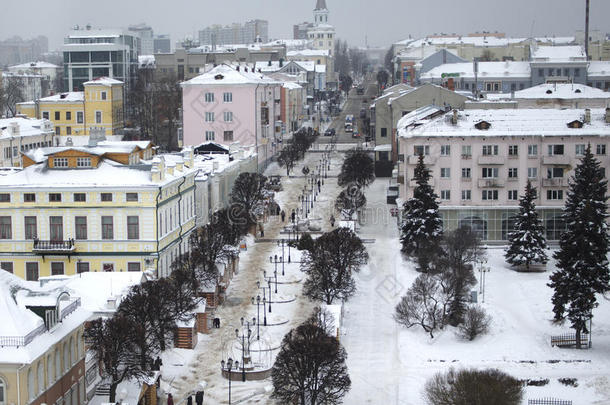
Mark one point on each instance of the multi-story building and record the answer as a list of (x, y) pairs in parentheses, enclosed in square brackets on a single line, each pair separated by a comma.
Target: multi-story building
[(42, 355), (19, 135), (162, 44), (299, 31), (46, 69), (481, 160), (16, 50), (323, 62), (549, 95), (558, 64), (22, 86), (145, 33), (322, 36), (92, 53), (100, 105), (247, 33), (106, 207), (228, 105)]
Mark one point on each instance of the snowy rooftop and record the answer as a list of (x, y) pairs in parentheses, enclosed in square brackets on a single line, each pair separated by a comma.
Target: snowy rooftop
[(308, 52), (568, 53), (509, 69), (69, 97), (146, 61), (27, 126), (35, 65), (274, 66), (556, 40), (105, 81), (513, 122), (224, 74), (416, 118), (456, 40), (598, 68), (551, 91)]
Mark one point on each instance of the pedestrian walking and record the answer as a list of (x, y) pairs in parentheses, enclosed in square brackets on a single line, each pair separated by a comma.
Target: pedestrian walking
[(170, 399), (262, 230), (283, 215), (332, 221), (293, 216), (199, 398), (189, 400), (319, 186)]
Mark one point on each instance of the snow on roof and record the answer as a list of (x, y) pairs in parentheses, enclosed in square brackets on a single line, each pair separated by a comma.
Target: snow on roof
[(139, 144), (225, 74), (598, 68), (320, 68), (291, 85), (146, 61), (35, 65), (16, 319), (456, 40), (69, 97), (308, 52), (507, 69), (513, 122), (552, 90), (567, 53), (105, 81), (27, 127), (556, 40), (416, 117), (383, 148)]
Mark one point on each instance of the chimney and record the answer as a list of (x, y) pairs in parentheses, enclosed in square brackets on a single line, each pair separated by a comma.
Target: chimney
[(215, 166), (187, 155), (157, 170), (587, 115), (454, 117), (170, 168), (607, 116), (180, 165)]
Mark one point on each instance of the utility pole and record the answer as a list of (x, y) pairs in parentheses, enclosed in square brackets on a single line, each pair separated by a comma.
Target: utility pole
[(587, 29)]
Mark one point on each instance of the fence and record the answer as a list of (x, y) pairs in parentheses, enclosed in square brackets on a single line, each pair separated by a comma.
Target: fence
[(549, 401), (569, 340)]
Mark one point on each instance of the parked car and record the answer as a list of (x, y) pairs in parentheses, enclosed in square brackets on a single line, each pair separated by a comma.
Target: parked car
[(360, 91), (355, 133), (330, 132), (363, 113)]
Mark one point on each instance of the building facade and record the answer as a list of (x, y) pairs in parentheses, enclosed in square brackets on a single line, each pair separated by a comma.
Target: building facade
[(18, 135), (162, 44), (146, 35), (481, 160), (247, 33)]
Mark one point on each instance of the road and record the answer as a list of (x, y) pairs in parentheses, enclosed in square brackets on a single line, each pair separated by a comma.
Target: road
[(353, 105)]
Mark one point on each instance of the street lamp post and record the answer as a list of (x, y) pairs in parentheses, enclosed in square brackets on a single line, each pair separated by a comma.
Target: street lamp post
[(229, 365), (482, 270), (258, 322), (243, 347)]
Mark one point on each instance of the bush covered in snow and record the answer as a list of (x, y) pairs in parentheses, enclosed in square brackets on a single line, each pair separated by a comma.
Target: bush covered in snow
[(476, 322)]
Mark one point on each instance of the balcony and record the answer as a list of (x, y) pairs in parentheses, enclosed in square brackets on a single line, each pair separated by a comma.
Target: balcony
[(46, 247), (413, 159), (556, 160), (556, 182), (491, 160), (486, 183)]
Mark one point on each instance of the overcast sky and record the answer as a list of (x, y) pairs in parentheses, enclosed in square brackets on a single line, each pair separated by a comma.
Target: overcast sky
[(380, 21)]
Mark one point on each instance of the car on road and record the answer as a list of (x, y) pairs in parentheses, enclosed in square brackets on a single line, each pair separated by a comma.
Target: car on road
[(360, 91), (330, 132), (355, 133)]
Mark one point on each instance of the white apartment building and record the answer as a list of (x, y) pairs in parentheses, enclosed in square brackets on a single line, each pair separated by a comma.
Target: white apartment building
[(19, 135), (480, 161)]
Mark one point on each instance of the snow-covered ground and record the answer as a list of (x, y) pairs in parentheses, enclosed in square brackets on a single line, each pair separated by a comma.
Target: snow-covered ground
[(390, 364)]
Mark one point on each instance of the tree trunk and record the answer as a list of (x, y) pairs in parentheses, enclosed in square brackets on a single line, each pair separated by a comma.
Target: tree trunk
[(578, 342), (112, 394)]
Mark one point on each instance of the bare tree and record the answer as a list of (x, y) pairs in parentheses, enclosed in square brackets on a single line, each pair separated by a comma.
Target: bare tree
[(329, 265), (422, 305), (476, 322), (288, 158), (310, 368), (168, 101), (11, 93)]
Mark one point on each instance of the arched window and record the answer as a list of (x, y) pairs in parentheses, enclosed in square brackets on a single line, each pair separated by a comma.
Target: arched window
[(80, 346), (66, 357), (31, 387), (57, 365), (72, 352), (50, 370), (40, 373), (2, 392)]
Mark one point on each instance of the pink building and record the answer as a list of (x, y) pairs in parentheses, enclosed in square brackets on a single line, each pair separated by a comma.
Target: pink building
[(233, 104)]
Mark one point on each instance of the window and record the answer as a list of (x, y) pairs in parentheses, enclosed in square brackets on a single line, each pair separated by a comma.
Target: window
[(131, 197), (103, 95), (82, 267), (490, 195), (68, 115), (79, 117), (555, 150), (30, 227), (68, 130), (6, 229), (554, 194), (384, 132), (57, 131), (600, 149), (31, 271), (133, 227), (80, 227), (45, 115), (465, 172), (489, 172), (80, 197), (29, 197), (554, 172), (6, 266), (513, 150), (106, 197), (40, 377), (466, 151), (209, 135), (512, 173), (513, 195), (57, 268), (466, 195), (490, 150), (576, 72), (421, 150), (532, 172), (5, 197), (31, 388), (532, 150), (108, 267), (133, 266), (107, 228), (83, 162), (226, 97), (227, 136), (98, 117), (228, 116), (445, 150), (57, 115), (54, 197), (49, 371), (445, 172), (209, 97), (579, 149), (540, 72), (56, 228), (60, 162), (445, 194), (209, 116)]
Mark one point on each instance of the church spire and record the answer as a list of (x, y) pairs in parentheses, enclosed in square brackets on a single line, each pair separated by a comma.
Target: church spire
[(321, 5)]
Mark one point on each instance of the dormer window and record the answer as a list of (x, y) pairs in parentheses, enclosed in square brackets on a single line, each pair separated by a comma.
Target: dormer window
[(575, 124), (60, 162), (219, 77), (482, 125)]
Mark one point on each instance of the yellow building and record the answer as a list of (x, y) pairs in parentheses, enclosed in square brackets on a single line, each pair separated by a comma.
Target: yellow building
[(109, 207), (101, 105), (42, 356)]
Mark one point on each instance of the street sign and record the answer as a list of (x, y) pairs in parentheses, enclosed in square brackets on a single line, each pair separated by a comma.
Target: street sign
[(444, 75)]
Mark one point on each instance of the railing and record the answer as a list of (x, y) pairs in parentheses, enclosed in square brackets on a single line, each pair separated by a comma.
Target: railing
[(16, 341), (70, 308), (569, 340), (54, 245), (549, 401)]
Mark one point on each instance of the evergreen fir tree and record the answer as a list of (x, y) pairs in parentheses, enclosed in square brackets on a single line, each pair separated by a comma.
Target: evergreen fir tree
[(527, 242), (422, 227), (582, 256)]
